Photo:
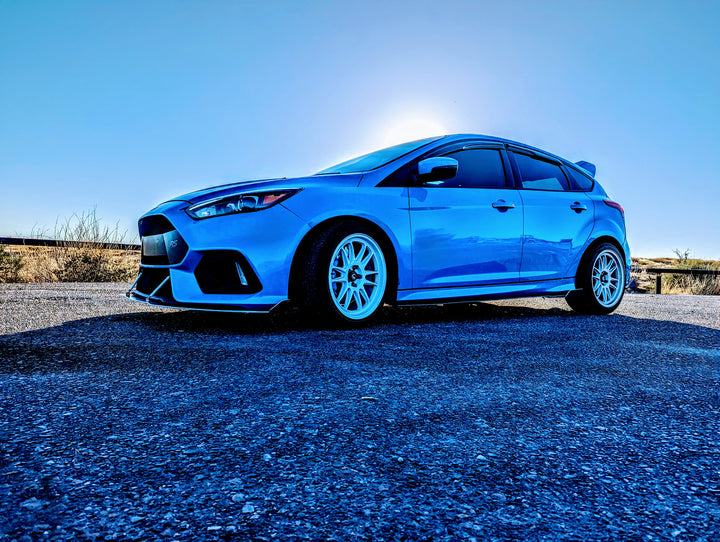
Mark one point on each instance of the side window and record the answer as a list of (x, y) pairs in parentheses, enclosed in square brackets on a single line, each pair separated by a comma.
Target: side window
[(540, 175), (477, 168), (579, 181)]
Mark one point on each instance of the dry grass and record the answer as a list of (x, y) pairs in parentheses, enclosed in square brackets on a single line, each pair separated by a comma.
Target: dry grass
[(66, 264), (676, 284), (11, 266), (76, 258)]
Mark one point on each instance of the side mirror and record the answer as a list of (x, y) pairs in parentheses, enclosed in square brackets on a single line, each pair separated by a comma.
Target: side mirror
[(437, 169)]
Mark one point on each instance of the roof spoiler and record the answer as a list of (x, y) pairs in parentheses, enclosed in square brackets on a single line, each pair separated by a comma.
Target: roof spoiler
[(587, 166)]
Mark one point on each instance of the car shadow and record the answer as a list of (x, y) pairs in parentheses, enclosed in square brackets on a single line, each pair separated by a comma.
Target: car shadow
[(293, 319), (402, 336)]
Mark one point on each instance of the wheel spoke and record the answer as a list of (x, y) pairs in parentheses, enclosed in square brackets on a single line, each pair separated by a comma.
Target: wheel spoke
[(366, 260), (348, 299), (360, 254), (342, 292), (346, 255)]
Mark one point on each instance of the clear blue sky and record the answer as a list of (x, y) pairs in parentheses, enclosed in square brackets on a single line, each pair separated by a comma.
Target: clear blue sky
[(121, 105)]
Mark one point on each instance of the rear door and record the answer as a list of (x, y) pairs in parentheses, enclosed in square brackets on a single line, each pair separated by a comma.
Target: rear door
[(558, 222), (467, 230)]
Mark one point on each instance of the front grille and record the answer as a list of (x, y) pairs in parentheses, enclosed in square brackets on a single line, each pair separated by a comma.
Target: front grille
[(161, 242), (226, 272), (155, 283)]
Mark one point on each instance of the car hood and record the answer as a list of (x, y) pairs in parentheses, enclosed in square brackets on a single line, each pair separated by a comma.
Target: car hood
[(350, 179)]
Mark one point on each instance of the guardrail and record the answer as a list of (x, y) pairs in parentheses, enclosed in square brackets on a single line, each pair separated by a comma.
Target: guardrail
[(660, 270), (21, 241)]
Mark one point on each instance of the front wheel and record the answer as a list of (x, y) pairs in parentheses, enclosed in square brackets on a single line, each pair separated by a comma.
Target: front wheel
[(345, 276), (602, 282)]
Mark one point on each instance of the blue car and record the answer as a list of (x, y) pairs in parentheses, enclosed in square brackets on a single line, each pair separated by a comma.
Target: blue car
[(447, 219)]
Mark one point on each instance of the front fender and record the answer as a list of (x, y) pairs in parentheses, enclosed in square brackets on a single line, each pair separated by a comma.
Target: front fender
[(385, 207)]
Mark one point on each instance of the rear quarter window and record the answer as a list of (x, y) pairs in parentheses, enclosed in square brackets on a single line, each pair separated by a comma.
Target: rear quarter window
[(540, 175), (580, 181)]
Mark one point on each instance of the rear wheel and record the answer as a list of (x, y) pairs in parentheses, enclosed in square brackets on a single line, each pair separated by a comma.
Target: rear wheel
[(602, 282), (345, 275)]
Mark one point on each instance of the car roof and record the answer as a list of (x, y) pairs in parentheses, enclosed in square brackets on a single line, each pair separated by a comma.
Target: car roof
[(493, 139)]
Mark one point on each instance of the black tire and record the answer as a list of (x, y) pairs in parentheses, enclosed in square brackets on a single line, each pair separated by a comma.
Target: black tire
[(320, 289), (600, 281)]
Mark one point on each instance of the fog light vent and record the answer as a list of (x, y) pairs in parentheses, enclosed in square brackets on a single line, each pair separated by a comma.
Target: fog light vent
[(226, 272)]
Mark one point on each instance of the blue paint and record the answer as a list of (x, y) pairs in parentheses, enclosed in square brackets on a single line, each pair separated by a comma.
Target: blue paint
[(450, 242)]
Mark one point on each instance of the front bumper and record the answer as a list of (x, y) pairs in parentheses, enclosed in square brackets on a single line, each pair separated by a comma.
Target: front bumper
[(233, 263)]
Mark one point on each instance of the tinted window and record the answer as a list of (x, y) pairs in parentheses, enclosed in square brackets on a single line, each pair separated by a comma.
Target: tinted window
[(580, 182), (539, 175), (477, 168)]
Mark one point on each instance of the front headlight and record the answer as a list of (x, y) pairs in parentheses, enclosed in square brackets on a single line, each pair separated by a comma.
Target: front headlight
[(240, 203)]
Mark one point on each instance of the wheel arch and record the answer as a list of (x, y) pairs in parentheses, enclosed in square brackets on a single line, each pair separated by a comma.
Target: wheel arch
[(382, 237), (591, 248)]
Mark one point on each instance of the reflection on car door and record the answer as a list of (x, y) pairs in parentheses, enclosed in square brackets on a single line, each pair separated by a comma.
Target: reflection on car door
[(558, 222), (467, 230)]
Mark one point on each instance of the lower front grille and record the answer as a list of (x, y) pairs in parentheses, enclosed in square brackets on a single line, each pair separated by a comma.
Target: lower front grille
[(154, 283)]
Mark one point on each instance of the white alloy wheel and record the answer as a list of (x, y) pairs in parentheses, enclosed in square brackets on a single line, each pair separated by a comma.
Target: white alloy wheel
[(607, 277), (357, 276)]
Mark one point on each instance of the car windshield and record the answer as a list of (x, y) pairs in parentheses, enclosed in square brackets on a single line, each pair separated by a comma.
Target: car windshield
[(376, 159)]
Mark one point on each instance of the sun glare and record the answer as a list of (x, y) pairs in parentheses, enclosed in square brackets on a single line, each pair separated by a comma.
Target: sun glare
[(412, 129)]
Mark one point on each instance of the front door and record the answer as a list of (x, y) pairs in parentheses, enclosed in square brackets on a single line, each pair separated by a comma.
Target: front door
[(467, 230)]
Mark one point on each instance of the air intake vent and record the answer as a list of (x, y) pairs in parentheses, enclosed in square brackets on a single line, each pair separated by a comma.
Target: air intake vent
[(154, 225), (226, 272)]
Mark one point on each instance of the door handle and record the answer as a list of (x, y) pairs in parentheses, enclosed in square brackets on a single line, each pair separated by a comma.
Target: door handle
[(502, 205), (578, 207)]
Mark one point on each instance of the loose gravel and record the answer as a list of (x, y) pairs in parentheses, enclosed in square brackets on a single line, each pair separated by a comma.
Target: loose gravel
[(504, 420)]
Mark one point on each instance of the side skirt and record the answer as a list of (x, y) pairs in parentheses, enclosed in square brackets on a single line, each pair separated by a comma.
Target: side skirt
[(560, 288)]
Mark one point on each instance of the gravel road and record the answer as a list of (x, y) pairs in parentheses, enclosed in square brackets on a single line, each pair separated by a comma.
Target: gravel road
[(503, 420)]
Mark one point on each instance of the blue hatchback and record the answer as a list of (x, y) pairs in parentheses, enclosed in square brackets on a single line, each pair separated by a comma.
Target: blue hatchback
[(447, 219)]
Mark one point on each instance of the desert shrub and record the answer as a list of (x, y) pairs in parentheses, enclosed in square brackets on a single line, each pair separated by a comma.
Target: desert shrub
[(10, 266), (78, 258), (85, 264), (688, 284)]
